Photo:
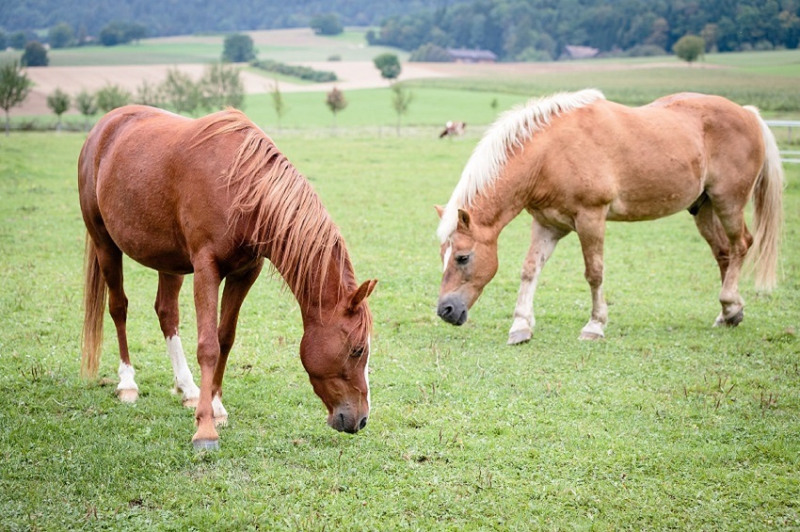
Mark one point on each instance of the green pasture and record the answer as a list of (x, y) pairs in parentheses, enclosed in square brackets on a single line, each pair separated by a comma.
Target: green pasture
[(666, 424)]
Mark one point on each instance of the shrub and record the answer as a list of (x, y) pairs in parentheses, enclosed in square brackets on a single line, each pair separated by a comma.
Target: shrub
[(306, 73), (430, 53)]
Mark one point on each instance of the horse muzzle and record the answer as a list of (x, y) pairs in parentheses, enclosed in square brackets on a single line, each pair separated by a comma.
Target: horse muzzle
[(345, 420), (452, 309)]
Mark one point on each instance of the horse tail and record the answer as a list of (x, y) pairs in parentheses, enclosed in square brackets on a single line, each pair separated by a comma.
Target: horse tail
[(94, 303), (768, 212)]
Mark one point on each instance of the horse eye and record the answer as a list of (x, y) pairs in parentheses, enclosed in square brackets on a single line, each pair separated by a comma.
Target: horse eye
[(461, 260), (357, 352)]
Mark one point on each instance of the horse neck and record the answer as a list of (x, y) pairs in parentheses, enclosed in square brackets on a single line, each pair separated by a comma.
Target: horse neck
[(326, 287), (505, 199)]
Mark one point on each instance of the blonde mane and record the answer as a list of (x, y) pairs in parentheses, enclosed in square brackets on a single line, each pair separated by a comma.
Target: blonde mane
[(511, 130), (285, 219)]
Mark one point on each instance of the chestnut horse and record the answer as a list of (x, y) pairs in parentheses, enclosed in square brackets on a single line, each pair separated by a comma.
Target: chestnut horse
[(575, 160), (214, 197)]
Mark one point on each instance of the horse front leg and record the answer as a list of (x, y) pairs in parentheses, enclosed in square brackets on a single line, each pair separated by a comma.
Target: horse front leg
[(169, 287), (591, 232), (206, 297), (543, 242), (236, 288)]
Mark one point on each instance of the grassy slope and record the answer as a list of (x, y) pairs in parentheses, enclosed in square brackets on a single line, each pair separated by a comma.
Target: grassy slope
[(666, 424)]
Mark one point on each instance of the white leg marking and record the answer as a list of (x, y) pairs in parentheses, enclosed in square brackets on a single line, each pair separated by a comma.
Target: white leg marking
[(184, 383), (220, 414), (127, 390), (447, 253)]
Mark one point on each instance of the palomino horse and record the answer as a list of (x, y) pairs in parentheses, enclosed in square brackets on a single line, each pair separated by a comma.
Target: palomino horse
[(215, 197), (575, 160)]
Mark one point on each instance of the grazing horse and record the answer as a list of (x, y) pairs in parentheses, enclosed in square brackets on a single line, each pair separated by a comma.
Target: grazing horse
[(575, 160), (453, 129), (215, 197)]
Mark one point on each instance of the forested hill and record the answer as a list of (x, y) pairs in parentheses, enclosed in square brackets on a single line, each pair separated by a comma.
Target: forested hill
[(181, 17), (540, 29), (513, 29)]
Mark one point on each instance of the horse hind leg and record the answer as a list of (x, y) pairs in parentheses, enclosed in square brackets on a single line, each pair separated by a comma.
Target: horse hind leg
[(110, 259), (166, 306), (543, 242), (729, 240)]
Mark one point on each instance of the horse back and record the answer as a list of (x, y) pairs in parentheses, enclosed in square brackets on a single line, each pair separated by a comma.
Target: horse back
[(646, 162)]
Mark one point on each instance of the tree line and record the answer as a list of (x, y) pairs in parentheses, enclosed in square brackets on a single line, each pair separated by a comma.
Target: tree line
[(540, 29)]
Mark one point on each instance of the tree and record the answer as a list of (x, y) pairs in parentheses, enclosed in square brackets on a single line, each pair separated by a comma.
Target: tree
[(326, 24), (149, 94), (277, 102), (221, 87), (181, 92), (14, 87), (86, 104), (430, 53), (401, 99), (112, 96), (61, 36), (117, 32), (35, 55), (238, 48), (389, 66), (689, 47), (58, 101), (336, 102)]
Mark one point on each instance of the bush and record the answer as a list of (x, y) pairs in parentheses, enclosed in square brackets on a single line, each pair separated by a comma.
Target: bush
[(326, 24), (238, 48), (306, 73), (430, 53), (35, 55)]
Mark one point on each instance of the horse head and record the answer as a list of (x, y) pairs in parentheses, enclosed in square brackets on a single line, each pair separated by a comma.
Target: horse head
[(469, 256), (335, 352)]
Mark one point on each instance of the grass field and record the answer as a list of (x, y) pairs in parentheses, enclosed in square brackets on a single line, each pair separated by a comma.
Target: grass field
[(667, 423)]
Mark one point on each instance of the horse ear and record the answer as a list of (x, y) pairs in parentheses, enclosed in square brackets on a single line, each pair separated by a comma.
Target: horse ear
[(439, 210), (463, 219), (361, 293)]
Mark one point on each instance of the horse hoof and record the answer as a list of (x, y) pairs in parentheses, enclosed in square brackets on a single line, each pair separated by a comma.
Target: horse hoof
[(205, 445), (587, 335), (190, 402), (127, 395), (519, 337), (736, 319)]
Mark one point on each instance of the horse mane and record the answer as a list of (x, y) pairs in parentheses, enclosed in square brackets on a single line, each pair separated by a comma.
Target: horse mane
[(284, 218), (510, 131)]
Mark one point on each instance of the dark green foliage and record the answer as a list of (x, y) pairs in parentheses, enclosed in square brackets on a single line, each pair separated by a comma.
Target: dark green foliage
[(430, 53), (121, 33), (238, 48), (86, 104), (17, 40), (35, 55), (306, 73), (3, 40), (61, 36), (689, 47), (510, 28), (326, 24), (389, 66)]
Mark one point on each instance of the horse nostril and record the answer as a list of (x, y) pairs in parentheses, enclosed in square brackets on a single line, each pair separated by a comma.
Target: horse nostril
[(363, 423), (445, 311)]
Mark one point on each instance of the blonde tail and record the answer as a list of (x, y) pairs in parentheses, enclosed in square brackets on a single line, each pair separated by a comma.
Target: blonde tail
[(768, 213), (94, 303)]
